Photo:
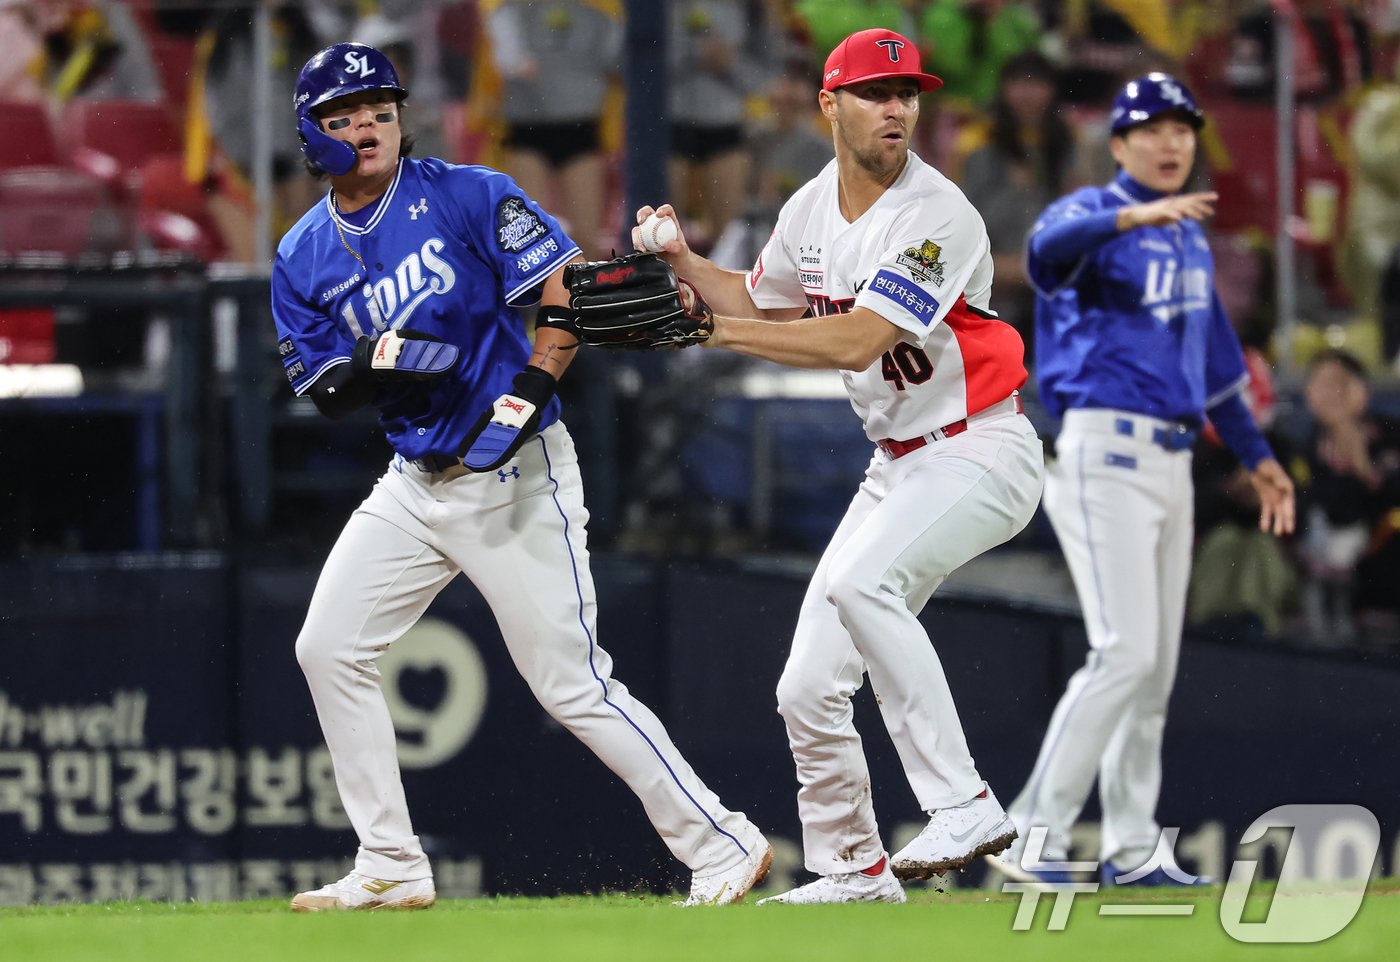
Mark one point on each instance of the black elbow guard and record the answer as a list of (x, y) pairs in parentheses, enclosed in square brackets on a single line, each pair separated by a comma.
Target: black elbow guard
[(341, 391)]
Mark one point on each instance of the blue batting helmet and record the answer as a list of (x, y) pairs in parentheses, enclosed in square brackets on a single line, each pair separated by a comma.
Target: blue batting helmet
[(340, 69), (1144, 98)]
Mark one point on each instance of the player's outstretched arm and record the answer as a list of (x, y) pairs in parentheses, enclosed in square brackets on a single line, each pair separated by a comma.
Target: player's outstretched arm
[(845, 342), (724, 290), (1276, 502), (1168, 210)]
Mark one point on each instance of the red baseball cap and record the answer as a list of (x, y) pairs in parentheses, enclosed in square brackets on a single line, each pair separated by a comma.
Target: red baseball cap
[(874, 55)]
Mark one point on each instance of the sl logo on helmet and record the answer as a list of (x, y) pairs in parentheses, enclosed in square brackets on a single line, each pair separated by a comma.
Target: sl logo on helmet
[(357, 64)]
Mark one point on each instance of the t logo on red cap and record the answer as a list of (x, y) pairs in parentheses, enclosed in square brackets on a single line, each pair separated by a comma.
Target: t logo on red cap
[(856, 60), (892, 47)]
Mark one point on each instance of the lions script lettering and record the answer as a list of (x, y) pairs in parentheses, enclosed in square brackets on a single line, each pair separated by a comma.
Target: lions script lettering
[(1169, 291), (391, 300)]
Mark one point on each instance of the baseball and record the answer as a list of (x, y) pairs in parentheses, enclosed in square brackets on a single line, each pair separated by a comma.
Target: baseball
[(657, 232)]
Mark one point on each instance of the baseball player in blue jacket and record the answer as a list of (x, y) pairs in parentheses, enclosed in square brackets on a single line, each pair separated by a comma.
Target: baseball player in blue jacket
[(398, 290), (1134, 353)]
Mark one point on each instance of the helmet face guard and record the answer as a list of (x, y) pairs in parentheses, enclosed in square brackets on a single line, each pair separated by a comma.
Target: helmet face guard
[(1150, 96), (339, 70)]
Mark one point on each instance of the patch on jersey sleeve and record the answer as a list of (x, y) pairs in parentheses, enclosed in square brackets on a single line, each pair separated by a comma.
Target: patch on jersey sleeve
[(906, 294), (541, 253), (517, 226), (924, 262), (291, 360)]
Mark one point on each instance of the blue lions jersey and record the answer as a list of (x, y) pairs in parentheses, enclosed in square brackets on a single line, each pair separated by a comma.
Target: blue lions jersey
[(448, 250), (1130, 321)]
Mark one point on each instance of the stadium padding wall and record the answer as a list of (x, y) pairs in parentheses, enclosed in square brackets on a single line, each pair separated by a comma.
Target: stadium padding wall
[(157, 739)]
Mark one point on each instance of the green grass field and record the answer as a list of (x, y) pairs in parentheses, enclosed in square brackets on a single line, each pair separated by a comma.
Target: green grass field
[(972, 925)]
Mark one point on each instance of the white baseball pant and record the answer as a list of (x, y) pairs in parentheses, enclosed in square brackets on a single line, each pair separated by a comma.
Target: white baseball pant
[(1122, 508), (522, 542), (913, 521)]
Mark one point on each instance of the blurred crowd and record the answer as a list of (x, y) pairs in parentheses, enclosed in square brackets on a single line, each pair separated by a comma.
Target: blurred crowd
[(131, 128)]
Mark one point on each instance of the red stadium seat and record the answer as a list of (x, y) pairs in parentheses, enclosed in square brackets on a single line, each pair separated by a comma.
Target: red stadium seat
[(173, 212), (174, 56), (55, 210), (111, 139), (29, 139), (26, 335)]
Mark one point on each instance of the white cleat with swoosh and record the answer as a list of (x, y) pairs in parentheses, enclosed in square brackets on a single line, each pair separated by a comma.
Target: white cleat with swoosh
[(954, 837)]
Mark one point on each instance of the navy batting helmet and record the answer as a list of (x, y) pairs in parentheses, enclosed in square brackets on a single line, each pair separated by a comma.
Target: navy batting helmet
[(1144, 98), (340, 69)]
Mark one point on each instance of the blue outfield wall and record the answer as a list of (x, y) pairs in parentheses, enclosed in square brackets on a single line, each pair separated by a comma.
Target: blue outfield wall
[(157, 739)]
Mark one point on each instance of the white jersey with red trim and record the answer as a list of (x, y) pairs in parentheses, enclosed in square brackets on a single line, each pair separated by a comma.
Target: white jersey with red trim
[(920, 258)]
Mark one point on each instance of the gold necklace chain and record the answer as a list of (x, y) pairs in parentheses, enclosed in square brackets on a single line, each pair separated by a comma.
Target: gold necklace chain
[(335, 217)]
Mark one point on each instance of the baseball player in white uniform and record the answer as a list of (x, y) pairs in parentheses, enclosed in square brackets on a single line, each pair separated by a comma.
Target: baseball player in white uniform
[(398, 290), (1133, 351), (880, 268)]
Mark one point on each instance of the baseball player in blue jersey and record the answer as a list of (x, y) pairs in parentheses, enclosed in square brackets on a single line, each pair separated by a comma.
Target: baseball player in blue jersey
[(1134, 352), (398, 290)]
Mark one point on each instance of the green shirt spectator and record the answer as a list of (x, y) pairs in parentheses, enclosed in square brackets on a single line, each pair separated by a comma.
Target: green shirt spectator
[(831, 21), (966, 42)]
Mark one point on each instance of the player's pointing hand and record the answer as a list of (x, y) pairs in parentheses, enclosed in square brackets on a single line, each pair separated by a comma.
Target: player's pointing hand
[(1168, 210)]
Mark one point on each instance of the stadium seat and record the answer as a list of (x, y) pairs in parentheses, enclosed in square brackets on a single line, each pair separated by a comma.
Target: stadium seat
[(56, 210), (111, 139), (174, 56), (173, 213), (26, 335), (28, 134)]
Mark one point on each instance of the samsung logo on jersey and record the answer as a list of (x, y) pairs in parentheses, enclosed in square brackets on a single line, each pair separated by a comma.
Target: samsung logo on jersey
[(342, 287)]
